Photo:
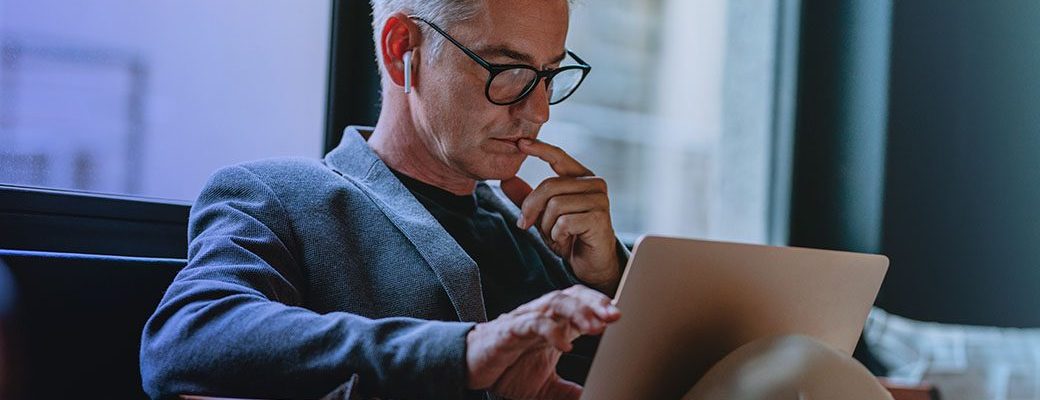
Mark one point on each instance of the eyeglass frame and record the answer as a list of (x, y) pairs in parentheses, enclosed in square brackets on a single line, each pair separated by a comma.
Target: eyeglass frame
[(496, 69)]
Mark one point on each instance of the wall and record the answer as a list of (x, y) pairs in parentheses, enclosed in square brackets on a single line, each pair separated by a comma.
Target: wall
[(961, 220)]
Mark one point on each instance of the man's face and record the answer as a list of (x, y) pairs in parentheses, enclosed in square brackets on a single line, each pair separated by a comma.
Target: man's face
[(462, 129)]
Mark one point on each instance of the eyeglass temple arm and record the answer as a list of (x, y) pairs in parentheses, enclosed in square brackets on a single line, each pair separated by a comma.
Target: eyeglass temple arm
[(578, 59), (468, 52)]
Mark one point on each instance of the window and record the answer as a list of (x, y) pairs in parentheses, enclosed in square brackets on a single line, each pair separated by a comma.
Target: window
[(677, 114), (149, 98)]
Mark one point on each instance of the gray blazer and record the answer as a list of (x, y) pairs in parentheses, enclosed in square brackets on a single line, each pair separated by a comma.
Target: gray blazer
[(305, 276)]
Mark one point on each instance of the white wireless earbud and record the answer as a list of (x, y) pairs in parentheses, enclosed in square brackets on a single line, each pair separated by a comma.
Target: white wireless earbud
[(408, 71)]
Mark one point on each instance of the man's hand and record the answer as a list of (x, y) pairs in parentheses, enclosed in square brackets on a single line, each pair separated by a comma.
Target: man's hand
[(515, 355), (572, 212)]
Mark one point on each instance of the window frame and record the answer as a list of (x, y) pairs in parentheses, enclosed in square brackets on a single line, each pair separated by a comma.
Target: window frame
[(68, 221), (353, 81)]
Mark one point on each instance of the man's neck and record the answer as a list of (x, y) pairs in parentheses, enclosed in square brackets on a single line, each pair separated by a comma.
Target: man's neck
[(399, 146)]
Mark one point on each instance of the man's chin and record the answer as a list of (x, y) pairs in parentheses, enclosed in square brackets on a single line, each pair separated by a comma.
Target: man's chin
[(500, 168)]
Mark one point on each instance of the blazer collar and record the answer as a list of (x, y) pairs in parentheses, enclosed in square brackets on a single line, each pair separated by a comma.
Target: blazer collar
[(457, 272)]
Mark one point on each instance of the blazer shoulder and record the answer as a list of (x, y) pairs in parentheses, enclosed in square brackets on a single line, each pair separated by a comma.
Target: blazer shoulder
[(290, 179), (289, 170), (299, 184)]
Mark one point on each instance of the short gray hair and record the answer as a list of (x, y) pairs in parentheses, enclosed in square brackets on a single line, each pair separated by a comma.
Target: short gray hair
[(444, 13)]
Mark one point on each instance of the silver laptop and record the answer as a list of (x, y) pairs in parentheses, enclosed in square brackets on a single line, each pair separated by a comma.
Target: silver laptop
[(685, 304)]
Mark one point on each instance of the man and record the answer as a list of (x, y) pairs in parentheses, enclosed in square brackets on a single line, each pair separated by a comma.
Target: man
[(389, 269)]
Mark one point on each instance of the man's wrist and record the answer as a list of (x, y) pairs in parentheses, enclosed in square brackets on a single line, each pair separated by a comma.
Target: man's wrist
[(607, 287), (620, 261), (608, 283)]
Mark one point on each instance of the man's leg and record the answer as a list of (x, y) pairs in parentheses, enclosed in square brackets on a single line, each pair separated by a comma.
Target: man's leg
[(787, 367)]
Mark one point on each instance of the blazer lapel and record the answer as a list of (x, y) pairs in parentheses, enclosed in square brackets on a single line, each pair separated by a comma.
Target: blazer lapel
[(457, 272)]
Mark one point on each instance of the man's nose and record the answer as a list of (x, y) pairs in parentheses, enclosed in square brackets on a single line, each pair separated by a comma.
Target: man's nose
[(535, 107)]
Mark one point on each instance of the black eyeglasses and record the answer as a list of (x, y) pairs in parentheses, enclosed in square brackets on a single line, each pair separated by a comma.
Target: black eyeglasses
[(510, 83)]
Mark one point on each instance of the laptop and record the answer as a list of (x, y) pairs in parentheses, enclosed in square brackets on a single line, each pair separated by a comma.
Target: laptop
[(685, 304)]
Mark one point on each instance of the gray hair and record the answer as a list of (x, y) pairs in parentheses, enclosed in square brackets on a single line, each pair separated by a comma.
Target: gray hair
[(444, 13)]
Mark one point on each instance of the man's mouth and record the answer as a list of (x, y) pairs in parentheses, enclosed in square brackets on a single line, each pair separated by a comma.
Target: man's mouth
[(515, 139), (511, 141)]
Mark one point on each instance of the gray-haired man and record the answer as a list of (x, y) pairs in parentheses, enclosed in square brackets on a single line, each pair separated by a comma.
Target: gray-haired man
[(389, 269)]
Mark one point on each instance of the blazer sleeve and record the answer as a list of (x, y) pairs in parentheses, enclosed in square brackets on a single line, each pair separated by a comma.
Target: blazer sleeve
[(232, 322)]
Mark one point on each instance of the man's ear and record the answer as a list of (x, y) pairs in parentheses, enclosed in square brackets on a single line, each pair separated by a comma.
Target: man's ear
[(400, 35)]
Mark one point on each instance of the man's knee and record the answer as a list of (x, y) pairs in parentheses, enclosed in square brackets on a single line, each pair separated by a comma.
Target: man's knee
[(787, 367)]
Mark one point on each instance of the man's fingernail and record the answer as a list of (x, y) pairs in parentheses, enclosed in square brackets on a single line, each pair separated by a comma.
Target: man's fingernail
[(520, 221)]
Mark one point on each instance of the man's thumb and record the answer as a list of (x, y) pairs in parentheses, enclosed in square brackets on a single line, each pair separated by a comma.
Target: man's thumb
[(516, 190)]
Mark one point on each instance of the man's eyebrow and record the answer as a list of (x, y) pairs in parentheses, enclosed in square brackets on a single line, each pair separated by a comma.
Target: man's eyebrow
[(558, 59), (500, 50)]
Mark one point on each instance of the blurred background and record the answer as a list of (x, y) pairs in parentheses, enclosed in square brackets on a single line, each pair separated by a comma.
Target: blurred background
[(148, 99), (908, 128)]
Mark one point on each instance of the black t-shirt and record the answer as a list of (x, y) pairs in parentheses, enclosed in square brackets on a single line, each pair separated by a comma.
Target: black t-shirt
[(511, 272)]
